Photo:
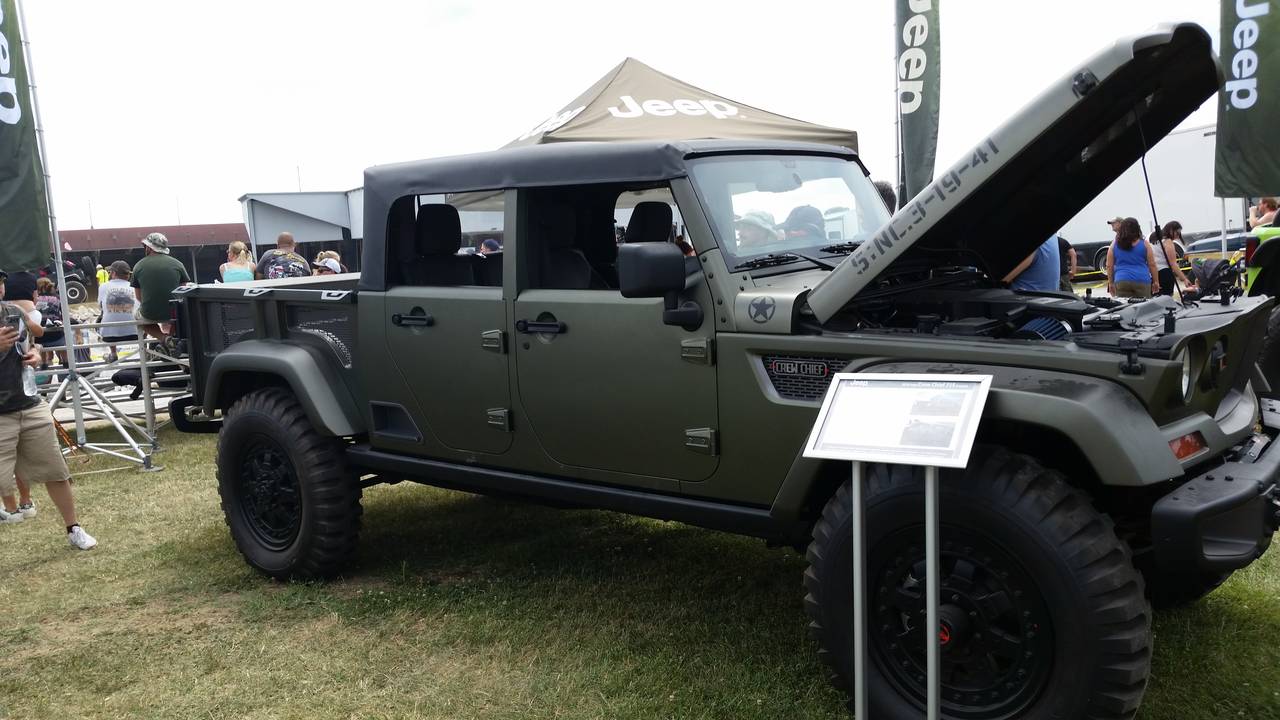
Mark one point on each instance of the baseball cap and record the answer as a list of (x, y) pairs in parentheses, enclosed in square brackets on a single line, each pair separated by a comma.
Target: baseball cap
[(330, 264), (158, 242), (1116, 219), (120, 267)]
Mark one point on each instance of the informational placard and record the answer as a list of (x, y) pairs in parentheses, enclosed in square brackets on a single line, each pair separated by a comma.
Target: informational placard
[(901, 419)]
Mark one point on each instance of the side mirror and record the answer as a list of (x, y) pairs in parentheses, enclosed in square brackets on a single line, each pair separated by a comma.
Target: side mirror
[(657, 269), (650, 269)]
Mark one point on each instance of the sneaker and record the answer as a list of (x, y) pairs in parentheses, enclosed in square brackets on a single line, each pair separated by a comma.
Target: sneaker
[(28, 509), (7, 517), (81, 539)]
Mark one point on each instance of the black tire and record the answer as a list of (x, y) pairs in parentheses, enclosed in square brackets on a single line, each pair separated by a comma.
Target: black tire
[(76, 292), (1043, 608), (292, 507), (1269, 358), (1171, 590), (1100, 259)]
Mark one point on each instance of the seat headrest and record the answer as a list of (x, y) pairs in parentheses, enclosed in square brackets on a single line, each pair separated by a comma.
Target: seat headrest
[(438, 230), (650, 222), (559, 227)]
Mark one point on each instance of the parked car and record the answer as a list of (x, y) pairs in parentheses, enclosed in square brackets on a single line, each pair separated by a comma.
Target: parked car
[(1211, 248)]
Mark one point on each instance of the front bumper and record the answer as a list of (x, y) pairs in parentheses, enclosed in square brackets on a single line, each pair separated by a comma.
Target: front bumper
[(1223, 519)]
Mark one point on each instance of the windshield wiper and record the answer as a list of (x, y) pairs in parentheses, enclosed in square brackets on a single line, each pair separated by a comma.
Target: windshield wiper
[(824, 264), (843, 248), (769, 261)]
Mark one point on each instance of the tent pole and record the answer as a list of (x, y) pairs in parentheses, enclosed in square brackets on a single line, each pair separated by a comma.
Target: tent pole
[(69, 336), (1224, 229)]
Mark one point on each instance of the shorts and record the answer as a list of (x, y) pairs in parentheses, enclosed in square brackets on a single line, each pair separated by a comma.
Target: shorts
[(29, 445), (1133, 289)]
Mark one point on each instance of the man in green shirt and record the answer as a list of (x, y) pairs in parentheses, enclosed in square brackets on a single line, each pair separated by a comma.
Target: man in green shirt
[(154, 278)]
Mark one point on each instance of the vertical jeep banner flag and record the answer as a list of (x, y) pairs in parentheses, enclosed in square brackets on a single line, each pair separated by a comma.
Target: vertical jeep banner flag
[(1248, 159), (918, 82), (24, 210)]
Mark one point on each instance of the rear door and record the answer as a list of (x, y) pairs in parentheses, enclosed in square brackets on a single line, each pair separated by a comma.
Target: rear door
[(605, 384), (445, 321)]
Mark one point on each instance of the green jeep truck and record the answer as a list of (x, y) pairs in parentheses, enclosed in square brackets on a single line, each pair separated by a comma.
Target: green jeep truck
[(1124, 455)]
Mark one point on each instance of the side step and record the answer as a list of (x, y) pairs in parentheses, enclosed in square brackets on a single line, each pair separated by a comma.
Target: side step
[(716, 516)]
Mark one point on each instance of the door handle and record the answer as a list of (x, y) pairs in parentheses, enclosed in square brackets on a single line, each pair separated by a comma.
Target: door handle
[(412, 320), (535, 327)]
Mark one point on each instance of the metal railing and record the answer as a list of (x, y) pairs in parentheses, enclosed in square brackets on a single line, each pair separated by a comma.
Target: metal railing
[(88, 390)]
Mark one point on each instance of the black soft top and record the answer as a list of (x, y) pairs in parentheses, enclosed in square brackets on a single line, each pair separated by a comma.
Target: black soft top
[(567, 163)]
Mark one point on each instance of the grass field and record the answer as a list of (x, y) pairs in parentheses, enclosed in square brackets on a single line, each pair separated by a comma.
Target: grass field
[(466, 607)]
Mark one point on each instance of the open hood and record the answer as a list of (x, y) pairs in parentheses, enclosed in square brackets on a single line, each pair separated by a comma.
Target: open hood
[(1024, 181)]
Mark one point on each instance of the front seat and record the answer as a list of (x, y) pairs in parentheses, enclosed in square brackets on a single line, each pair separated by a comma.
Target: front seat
[(564, 267), (650, 222), (437, 237)]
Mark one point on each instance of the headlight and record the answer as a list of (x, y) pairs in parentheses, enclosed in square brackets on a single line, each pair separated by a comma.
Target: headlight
[(1184, 357)]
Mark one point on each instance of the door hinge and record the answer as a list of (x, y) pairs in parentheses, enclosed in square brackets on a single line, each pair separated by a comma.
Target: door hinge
[(494, 341), (701, 351), (499, 418), (702, 440)]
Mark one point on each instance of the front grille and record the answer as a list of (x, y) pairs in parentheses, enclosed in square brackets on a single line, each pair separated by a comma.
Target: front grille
[(332, 324), (226, 323), (799, 377)]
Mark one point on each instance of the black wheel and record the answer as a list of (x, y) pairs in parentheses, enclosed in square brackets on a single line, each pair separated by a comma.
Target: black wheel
[(1170, 590), (292, 507), (76, 293), (1042, 616), (1269, 358), (1100, 259)]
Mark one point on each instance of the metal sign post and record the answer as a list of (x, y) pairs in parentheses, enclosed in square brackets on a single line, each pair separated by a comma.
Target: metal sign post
[(924, 420)]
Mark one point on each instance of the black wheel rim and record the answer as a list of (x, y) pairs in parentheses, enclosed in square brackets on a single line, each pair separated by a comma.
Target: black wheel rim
[(998, 646), (270, 498)]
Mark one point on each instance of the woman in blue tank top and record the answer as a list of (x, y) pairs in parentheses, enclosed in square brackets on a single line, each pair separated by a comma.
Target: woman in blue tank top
[(1131, 264), (239, 266)]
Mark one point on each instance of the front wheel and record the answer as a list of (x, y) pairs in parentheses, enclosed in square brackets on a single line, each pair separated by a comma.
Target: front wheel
[(292, 507), (1042, 612)]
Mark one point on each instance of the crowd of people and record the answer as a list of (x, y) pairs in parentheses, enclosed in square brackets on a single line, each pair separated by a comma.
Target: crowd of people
[(282, 261)]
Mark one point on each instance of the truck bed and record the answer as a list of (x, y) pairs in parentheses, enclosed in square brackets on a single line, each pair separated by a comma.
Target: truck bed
[(318, 313)]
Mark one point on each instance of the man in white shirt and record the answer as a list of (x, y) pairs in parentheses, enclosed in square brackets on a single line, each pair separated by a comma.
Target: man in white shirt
[(118, 301)]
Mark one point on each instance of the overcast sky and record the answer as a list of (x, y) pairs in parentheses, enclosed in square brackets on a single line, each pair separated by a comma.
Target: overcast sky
[(155, 107)]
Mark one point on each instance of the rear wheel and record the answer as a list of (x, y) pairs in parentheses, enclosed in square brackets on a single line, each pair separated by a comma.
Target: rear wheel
[(1042, 616), (292, 507)]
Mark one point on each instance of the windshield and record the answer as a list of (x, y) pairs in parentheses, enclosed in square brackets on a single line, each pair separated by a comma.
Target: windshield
[(775, 205)]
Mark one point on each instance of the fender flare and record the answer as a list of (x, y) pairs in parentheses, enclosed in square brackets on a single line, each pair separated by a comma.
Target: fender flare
[(314, 380), (1136, 450)]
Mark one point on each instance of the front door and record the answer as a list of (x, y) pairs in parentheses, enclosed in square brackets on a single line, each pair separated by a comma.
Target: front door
[(606, 386)]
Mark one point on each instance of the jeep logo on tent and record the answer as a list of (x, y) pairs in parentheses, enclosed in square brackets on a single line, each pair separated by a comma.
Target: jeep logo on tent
[(661, 108)]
